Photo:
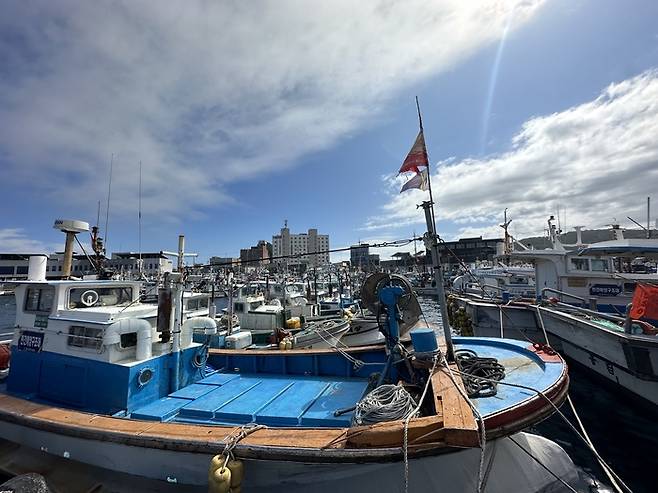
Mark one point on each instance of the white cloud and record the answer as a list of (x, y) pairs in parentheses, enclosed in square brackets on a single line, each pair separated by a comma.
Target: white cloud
[(206, 93), (599, 160), (13, 240)]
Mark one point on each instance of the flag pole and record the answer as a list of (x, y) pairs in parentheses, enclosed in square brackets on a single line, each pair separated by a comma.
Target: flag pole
[(427, 160), (431, 244)]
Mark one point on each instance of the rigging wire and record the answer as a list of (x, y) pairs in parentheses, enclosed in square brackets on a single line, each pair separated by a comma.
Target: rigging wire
[(384, 244)]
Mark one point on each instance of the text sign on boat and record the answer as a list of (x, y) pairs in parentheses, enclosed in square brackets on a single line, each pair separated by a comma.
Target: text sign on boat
[(30, 341), (605, 290)]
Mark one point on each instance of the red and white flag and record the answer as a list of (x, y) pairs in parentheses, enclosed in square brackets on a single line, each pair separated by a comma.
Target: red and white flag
[(417, 156), (419, 181)]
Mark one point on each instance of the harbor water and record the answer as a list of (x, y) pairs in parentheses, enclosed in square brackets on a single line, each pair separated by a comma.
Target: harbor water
[(625, 434)]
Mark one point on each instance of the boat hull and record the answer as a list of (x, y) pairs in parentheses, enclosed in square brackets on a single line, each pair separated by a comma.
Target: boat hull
[(452, 471), (628, 361)]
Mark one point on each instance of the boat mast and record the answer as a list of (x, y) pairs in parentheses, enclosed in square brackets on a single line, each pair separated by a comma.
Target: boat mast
[(139, 224), (431, 244), (109, 192)]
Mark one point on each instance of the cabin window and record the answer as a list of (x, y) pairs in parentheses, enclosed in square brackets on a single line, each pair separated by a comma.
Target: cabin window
[(629, 287), (203, 303), (85, 337), (579, 264), (599, 265), (99, 296), (7, 270), (21, 269), (39, 299), (238, 307), (193, 304)]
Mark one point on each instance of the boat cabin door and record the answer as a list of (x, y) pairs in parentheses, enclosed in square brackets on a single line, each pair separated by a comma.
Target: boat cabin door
[(546, 275)]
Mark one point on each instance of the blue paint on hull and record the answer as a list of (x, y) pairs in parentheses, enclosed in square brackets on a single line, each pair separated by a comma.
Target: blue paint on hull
[(91, 385)]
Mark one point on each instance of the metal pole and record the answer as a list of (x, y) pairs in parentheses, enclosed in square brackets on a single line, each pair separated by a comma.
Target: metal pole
[(68, 254), (648, 217), (432, 245), (181, 250)]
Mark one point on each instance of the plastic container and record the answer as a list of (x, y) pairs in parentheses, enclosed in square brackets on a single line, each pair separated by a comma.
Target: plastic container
[(424, 340)]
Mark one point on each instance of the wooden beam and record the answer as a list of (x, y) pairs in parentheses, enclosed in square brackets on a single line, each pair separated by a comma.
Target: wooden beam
[(461, 429)]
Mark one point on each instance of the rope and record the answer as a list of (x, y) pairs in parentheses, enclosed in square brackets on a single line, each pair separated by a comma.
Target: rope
[(474, 368), (356, 363), (616, 482), (478, 418), (405, 444), (385, 403), (566, 485), (236, 435), (622, 486)]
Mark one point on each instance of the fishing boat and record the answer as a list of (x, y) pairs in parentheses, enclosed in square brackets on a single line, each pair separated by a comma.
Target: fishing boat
[(100, 387), (621, 349)]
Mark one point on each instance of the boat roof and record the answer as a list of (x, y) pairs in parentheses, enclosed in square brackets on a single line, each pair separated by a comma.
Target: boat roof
[(71, 282), (632, 247)]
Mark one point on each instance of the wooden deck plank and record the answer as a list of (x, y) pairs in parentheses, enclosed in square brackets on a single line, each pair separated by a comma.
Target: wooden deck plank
[(460, 426)]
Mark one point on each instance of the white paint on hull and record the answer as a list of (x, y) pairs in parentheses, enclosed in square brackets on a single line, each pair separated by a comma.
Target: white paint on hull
[(511, 469)]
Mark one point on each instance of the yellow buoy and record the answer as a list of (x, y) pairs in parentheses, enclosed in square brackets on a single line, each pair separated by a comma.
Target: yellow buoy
[(237, 474), (221, 481)]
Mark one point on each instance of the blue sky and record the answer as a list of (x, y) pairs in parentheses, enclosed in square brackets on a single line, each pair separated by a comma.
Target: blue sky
[(245, 115)]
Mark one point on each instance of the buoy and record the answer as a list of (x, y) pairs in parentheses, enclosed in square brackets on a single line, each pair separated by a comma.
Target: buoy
[(219, 477), (237, 474), (221, 481)]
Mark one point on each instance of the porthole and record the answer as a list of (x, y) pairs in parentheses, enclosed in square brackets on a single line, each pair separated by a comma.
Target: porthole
[(144, 377)]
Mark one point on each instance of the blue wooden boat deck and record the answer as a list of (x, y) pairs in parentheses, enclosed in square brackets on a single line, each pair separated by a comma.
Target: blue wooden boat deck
[(272, 400), (522, 367)]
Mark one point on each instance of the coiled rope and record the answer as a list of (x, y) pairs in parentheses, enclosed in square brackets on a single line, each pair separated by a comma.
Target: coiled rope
[(385, 403), (480, 374)]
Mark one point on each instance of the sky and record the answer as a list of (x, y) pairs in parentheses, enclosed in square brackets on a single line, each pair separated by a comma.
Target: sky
[(246, 114)]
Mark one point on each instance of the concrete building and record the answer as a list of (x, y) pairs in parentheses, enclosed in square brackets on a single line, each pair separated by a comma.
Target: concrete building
[(311, 247), (359, 256), (469, 250), (224, 261), (256, 255), (14, 265)]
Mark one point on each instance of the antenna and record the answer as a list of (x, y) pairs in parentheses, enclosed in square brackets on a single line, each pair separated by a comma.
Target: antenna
[(139, 220), (109, 191)]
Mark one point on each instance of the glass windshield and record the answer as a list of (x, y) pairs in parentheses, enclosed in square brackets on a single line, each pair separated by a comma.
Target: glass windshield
[(98, 296)]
